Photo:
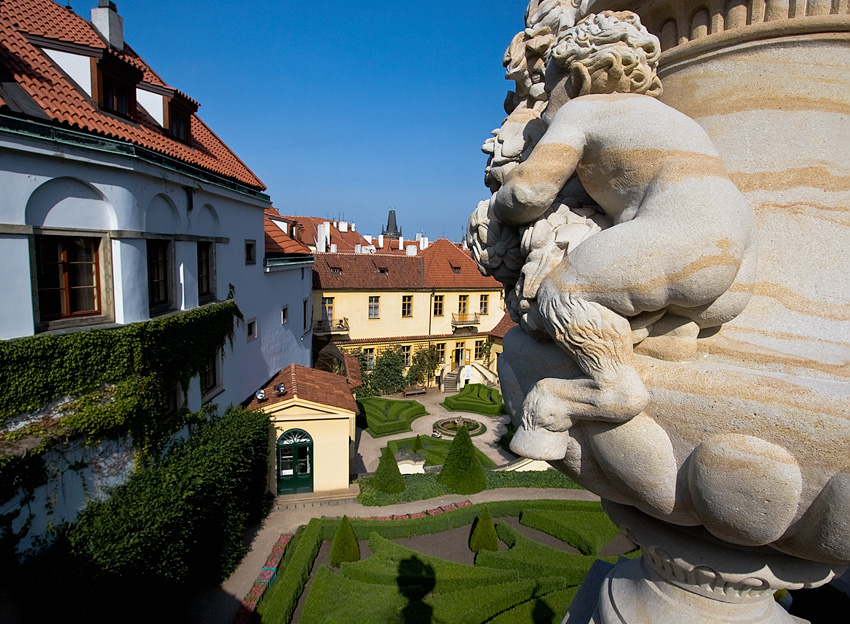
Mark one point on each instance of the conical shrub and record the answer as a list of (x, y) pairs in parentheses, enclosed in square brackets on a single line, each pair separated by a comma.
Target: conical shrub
[(462, 471), (417, 445), (483, 535), (345, 546), (387, 477)]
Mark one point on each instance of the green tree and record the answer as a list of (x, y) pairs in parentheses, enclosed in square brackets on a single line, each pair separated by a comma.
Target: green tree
[(345, 546), (387, 477), (483, 536), (387, 377), (423, 365), (462, 471)]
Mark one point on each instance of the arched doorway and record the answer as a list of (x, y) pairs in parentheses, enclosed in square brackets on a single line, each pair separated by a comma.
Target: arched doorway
[(294, 462)]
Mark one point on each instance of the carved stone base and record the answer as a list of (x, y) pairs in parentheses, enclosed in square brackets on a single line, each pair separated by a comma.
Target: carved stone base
[(687, 575)]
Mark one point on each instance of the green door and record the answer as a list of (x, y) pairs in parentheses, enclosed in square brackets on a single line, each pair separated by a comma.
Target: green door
[(294, 462)]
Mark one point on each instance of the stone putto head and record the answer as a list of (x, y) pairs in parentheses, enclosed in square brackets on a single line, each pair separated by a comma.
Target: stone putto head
[(609, 52)]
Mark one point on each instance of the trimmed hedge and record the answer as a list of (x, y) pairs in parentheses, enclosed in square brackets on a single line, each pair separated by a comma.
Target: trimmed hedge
[(434, 450), (532, 560), (588, 531), (389, 416), (462, 471), (425, 486), (546, 609), (281, 598), (476, 398)]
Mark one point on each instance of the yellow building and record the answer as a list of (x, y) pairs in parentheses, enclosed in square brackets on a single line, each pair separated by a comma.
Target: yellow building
[(437, 297), (313, 414)]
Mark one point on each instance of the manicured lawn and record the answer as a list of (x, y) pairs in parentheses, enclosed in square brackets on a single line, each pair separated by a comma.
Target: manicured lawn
[(524, 581), (476, 398), (434, 450), (389, 416)]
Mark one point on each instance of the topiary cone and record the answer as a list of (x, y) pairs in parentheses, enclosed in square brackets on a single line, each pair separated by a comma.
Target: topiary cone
[(387, 477), (483, 535), (345, 546), (462, 471)]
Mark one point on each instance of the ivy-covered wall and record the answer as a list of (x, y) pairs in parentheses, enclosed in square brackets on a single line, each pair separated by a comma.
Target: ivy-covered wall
[(66, 398)]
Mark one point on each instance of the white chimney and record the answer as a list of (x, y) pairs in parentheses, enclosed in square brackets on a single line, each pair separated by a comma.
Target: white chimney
[(333, 247), (368, 238), (323, 234), (343, 226), (401, 242), (423, 242), (108, 23), (380, 241), (358, 248), (410, 250), (353, 227)]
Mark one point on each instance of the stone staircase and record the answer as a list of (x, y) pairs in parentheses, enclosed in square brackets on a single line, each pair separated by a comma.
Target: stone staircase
[(450, 382)]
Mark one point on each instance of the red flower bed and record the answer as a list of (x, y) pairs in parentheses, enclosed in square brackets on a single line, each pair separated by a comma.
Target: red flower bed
[(451, 507), (272, 563), (465, 504), (421, 514), (401, 517), (434, 512), (265, 576)]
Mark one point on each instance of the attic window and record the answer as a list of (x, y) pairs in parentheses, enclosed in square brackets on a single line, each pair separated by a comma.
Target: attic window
[(455, 269), (383, 270), (116, 82), (180, 111), (336, 271)]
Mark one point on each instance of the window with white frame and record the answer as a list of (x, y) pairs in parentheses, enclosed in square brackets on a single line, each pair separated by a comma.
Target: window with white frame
[(374, 307), (484, 304)]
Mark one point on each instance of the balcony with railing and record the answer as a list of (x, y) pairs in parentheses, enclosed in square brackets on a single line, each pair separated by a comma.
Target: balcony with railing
[(465, 319), (331, 326)]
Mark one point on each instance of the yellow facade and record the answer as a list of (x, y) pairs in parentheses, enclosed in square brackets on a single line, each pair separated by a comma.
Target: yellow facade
[(392, 319), (332, 430), (456, 322)]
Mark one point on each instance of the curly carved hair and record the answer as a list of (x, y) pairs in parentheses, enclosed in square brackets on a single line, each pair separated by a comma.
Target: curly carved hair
[(610, 52)]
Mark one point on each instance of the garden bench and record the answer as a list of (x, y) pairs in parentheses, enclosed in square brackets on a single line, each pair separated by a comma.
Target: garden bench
[(411, 390)]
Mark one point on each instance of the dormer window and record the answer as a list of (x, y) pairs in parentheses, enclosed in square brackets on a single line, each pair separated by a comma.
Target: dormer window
[(117, 96), (180, 111), (115, 81)]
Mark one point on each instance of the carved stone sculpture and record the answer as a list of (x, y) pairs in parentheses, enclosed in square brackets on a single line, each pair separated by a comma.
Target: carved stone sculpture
[(626, 251)]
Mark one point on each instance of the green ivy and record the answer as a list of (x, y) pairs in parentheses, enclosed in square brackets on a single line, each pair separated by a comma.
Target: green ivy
[(111, 380)]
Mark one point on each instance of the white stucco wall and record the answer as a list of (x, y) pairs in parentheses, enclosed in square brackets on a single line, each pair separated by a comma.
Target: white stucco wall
[(16, 286)]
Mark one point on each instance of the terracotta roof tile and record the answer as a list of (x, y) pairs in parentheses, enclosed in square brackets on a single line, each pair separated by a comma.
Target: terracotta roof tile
[(447, 266), (344, 241), (367, 271), (277, 241), (503, 326), (308, 384), (67, 105)]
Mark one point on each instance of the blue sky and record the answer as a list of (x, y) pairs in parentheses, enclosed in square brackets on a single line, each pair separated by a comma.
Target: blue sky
[(347, 108)]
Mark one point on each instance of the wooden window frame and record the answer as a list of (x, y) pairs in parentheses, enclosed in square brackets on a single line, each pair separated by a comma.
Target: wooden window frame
[(407, 306), (66, 280), (484, 304), (463, 304), (161, 250), (206, 272)]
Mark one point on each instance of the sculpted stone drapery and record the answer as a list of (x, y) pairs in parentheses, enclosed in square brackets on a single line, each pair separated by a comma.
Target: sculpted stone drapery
[(624, 247)]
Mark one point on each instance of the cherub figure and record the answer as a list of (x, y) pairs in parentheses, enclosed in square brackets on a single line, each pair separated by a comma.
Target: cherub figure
[(682, 239)]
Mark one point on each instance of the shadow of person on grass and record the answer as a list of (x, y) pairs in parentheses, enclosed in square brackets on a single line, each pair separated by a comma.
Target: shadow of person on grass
[(415, 580)]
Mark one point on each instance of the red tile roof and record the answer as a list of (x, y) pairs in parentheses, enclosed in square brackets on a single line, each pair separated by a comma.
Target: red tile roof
[(344, 241), (367, 271), (66, 104), (502, 328), (277, 241), (447, 266), (308, 384)]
